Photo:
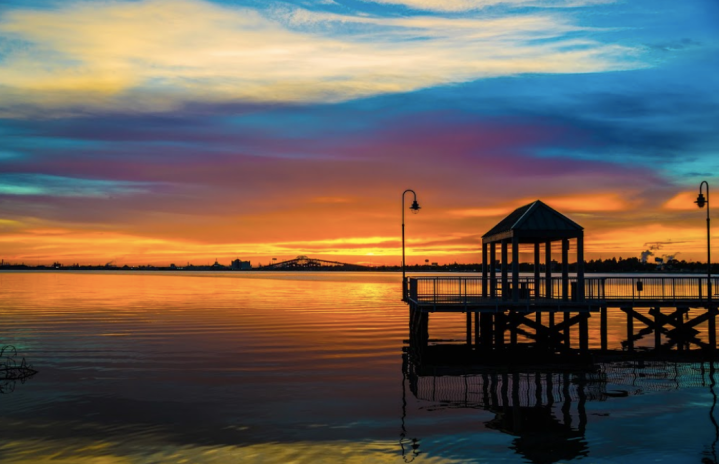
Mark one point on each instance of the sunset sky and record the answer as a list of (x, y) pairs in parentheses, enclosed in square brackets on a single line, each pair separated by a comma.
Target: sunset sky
[(158, 131)]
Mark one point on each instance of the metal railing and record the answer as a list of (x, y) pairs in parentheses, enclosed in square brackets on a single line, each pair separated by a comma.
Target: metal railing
[(469, 290)]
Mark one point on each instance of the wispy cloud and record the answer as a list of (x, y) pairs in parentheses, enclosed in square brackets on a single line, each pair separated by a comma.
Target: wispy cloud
[(57, 186), (155, 55), (468, 5)]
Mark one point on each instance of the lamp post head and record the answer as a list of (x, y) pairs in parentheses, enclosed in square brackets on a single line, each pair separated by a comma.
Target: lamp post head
[(701, 201), (415, 207)]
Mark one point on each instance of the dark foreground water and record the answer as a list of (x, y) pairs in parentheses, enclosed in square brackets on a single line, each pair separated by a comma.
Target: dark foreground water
[(304, 368)]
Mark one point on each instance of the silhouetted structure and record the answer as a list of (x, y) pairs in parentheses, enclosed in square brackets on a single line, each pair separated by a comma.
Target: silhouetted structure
[(502, 306), (238, 265), (311, 264)]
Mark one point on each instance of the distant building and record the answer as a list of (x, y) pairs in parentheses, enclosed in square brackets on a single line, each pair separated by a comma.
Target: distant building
[(238, 265)]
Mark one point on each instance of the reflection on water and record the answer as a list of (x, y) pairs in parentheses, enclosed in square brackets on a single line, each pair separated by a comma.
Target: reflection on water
[(307, 368), (545, 407)]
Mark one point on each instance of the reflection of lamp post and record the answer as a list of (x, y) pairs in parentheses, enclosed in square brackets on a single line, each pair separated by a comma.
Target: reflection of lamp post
[(701, 201), (414, 208)]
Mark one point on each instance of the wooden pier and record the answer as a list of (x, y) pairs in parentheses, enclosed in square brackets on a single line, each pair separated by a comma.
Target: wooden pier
[(495, 322), (501, 306)]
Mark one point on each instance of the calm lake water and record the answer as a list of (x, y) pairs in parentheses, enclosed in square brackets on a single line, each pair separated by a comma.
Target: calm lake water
[(304, 368)]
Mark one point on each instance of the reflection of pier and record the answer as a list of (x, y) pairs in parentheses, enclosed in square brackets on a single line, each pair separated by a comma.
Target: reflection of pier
[(506, 309), (545, 406)]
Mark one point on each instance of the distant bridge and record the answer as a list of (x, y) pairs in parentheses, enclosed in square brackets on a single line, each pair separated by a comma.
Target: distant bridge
[(303, 263)]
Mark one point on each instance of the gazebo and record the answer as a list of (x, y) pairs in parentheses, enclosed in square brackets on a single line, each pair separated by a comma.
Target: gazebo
[(537, 224)]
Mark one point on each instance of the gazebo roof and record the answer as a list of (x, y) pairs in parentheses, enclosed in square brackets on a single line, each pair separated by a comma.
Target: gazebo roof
[(535, 222)]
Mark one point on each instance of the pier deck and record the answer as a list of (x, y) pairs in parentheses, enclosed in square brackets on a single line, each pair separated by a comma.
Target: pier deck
[(501, 308), (473, 293)]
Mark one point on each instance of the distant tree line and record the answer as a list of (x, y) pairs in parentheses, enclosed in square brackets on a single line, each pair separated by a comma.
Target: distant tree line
[(592, 266)]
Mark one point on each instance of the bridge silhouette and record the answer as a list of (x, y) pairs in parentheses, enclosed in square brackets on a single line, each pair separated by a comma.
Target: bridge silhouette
[(304, 263)]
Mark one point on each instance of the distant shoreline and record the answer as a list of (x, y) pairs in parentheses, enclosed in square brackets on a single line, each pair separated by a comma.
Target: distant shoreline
[(698, 270)]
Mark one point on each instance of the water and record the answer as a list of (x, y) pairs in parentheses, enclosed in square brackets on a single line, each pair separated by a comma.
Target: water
[(300, 368)]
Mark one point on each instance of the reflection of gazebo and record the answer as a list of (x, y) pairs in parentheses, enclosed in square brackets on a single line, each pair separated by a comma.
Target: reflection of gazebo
[(542, 438), (537, 224)]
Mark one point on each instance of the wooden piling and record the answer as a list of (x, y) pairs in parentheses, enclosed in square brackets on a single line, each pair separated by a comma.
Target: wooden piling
[(630, 331), (657, 327), (567, 333), (469, 329), (486, 336), (603, 327), (712, 329), (499, 326)]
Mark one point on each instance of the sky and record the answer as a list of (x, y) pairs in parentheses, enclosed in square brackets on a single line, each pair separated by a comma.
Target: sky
[(157, 131)]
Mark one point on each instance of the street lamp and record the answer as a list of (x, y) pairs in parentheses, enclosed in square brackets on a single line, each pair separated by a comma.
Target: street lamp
[(701, 201), (415, 208)]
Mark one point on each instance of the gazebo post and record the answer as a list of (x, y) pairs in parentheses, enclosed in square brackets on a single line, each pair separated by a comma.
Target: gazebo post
[(484, 270), (505, 282), (536, 271), (493, 270), (536, 280), (515, 268), (565, 289), (565, 269), (548, 277), (580, 267), (548, 269)]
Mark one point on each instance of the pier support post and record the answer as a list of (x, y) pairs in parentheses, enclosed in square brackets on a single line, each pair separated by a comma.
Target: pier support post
[(513, 331), (657, 327), (567, 335), (476, 330), (499, 327), (603, 327), (584, 333), (485, 319), (423, 330), (630, 331), (712, 329), (469, 329)]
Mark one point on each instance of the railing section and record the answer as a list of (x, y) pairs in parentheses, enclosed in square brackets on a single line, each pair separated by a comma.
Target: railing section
[(468, 290)]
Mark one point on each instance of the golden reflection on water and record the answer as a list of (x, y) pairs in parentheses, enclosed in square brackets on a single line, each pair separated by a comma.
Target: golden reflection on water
[(89, 452), (232, 367)]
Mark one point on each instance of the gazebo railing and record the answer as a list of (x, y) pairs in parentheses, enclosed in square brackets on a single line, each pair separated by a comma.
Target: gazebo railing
[(467, 290)]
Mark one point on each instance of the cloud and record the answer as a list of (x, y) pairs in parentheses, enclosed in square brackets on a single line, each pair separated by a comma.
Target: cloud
[(469, 5), (683, 201), (57, 186), (156, 55)]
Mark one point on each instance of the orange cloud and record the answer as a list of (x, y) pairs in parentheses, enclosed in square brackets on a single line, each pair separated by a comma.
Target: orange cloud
[(591, 202), (683, 201)]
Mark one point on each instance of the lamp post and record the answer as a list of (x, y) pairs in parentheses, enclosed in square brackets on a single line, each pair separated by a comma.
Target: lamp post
[(415, 208), (701, 201)]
